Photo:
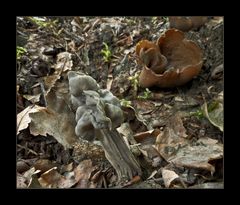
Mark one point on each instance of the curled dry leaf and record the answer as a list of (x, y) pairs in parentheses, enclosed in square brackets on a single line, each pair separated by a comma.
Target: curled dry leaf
[(217, 72), (173, 137), (83, 172), (144, 136), (168, 177), (30, 182), (172, 61), (33, 98), (199, 155), (43, 165), (22, 166), (23, 118), (50, 178), (175, 148), (56, 120), (215, 114), (127, 132), (21, 181), (64, 61)]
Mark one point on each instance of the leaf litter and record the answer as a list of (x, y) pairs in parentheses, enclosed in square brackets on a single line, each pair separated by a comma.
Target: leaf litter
[(177, 149)]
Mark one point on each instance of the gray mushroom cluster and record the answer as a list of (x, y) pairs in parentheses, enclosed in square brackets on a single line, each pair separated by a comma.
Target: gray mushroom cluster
[(98, 114), (95, 108)]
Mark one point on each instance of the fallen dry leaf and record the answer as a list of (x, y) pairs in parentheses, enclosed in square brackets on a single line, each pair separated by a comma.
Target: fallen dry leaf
[(53, 179), (22, 166), (33, 98), (67, 168), (175, 148), (83, 172), (173, 136), (50, 81), (198, 155), (23, 118), (168, 177), (143, 136), (126, 131), (29, 175), (215, 116), (64, 61), (56, 120), (43, 165), (34, 183), (21, 181), (50, 178)]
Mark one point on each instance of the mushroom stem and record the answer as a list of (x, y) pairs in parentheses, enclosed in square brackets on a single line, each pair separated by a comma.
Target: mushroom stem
[(118, 154)]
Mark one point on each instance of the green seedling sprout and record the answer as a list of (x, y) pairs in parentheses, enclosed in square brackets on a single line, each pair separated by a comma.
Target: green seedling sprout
[(20, 52), (210, 107), (134, 81), (199, 114), (146, 95), (42, 23), (126, 103), (106, 53)]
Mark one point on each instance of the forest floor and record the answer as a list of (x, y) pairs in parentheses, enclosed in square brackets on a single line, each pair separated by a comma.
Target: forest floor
[(177, 132)]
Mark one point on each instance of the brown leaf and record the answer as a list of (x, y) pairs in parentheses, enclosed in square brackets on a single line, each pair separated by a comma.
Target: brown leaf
[(215, 116), (56, 120), (50, 178), (28, 175), (43, 165), (83, 172), (175, 148), (140, 137), (22, 166), (67, 168), (33, 98), (21, 181), (64, 61), (168, 177), (199, 155), (53, 179), (173, 136), (23, 118)]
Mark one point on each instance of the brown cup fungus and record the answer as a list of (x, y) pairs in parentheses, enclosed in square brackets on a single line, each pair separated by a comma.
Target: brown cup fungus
[(172, 61), (184, 23)]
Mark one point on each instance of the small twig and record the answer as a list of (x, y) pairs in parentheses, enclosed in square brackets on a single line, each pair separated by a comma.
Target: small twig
[(28, 149), (104, 182), (43, 93)]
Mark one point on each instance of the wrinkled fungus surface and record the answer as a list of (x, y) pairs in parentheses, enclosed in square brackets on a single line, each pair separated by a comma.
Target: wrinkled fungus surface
[(95, 108)]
